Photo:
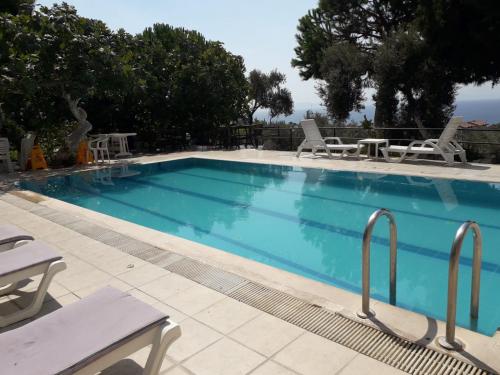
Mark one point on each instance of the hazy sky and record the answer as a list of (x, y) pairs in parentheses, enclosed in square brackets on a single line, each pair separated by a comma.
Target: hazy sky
[(262, 31)]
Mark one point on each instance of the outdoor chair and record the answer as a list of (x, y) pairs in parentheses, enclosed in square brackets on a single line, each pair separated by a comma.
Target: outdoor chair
[(99, 148), (21, 263), (11, 236), (315, 141), (88, 336), (446, 146)]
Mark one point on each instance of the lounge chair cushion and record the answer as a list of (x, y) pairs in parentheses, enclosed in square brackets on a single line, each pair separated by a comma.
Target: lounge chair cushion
[(23, 257), (76, 335), (11, 233)]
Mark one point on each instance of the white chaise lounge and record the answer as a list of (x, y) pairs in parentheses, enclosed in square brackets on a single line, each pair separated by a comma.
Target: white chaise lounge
[(18, 264), (88, 336), (446, 146), (315, 141), (12, 236)]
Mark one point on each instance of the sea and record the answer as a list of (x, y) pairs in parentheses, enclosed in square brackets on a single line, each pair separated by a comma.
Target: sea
[(487, 110)]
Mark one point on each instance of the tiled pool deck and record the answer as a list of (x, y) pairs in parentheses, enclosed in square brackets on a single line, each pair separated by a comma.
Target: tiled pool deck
[(220, 334)]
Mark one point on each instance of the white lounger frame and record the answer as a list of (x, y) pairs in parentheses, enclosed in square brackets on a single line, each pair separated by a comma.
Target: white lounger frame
[(160, 337), (8, 283), (11, 245), (315, 141), (446, 146), (448, 152)]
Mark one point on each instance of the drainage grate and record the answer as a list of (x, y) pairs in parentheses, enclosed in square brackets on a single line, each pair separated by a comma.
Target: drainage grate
[(384, 347), (211, 277), (392, 350)]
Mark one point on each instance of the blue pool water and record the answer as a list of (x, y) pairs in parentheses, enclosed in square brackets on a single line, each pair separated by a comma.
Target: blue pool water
[(310, 222)]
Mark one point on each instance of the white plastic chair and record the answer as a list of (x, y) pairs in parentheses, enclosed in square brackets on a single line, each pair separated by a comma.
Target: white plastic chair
[(99, 148), (446, 146), (5, 153), (315, 141)]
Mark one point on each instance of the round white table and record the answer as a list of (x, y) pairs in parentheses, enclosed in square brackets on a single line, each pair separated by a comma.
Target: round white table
[(372, 141)]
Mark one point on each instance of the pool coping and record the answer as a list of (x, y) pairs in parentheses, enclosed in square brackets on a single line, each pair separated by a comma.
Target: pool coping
[(416, 326), (419, 168)]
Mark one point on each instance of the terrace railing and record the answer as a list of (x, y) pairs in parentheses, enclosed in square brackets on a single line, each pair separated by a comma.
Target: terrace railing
[(480, 143)]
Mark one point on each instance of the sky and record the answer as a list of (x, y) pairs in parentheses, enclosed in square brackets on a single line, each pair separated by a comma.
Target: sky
[(262, 31)]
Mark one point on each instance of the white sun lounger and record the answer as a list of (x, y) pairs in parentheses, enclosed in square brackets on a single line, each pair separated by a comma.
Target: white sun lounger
[(11, 236), (21, 263), (88, 336), (446, 146), (315, 141)]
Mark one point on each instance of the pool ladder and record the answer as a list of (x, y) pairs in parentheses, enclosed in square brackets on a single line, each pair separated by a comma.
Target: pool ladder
[(449, 341), (367, 237)]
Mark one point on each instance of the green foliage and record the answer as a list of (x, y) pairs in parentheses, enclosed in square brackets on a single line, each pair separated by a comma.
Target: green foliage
[(342, 69), (463, 36), (51, 54), (267, 91), (413, 53), (366, 124), (17, 6), (166, 80), (320, 118)]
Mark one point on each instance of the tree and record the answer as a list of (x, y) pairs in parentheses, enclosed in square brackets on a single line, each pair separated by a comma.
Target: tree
[(266, 91), (413, 53), (342, 69), (55, 67), (16, 7), (60, 56), (461, 35), (186, 82), (337, 44)]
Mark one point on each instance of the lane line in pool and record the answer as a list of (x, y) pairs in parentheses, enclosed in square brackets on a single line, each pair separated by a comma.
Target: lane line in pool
[(313, 196), (491, 267)]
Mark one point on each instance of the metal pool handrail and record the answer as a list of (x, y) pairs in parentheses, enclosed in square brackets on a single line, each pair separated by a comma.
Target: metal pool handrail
[(367, 236), (449, 342)]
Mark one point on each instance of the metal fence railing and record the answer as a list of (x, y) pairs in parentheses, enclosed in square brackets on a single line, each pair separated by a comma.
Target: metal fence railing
[(481, 143)]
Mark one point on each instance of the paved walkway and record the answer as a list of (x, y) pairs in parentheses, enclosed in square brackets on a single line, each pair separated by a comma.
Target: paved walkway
[(220, 335)]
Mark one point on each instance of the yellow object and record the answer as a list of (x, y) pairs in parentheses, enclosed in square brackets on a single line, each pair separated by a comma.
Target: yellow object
[(37, 158), (84, 156)]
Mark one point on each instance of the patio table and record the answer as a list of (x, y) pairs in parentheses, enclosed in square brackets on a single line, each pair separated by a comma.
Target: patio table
[(371, 141)]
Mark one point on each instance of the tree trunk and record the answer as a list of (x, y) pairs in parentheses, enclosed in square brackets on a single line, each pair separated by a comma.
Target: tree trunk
[(2, 118), (413, 112), (376, 117), (423, 130), (251, 113), (84, 126)]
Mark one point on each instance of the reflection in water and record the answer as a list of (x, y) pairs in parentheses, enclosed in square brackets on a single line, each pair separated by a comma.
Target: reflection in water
[(159, 194), (443, 187)]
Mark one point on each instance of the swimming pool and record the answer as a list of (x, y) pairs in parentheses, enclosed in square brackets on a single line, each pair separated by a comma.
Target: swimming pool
[(310, 222)]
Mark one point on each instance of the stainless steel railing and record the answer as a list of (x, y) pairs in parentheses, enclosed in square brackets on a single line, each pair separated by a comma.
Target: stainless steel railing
[(449, 341), (367, 236)]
